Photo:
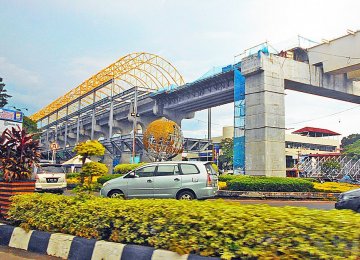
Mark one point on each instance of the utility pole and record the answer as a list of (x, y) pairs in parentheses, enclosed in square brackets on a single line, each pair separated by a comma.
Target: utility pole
[(209, 132), (209, 124)]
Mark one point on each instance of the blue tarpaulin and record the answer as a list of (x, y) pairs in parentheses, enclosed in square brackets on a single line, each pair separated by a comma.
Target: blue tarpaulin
[(239, 122)]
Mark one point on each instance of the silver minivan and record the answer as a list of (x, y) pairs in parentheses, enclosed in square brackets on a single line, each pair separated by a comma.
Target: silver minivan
[(181, 180)]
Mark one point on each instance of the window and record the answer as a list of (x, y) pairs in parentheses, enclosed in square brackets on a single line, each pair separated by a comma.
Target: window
[(189, 169), (167, 170), (209, 169), (146, 171)]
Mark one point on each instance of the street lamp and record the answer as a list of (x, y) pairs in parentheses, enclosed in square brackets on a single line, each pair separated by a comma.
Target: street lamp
[(20, 109)]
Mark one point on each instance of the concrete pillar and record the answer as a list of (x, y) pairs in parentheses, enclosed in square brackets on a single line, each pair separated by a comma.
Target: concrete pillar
[(65, 134), (93, 124), (78, 129), (111, 119), (265, 118)]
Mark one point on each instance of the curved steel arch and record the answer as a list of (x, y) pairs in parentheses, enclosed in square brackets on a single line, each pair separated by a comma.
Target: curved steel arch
[(135, 65)]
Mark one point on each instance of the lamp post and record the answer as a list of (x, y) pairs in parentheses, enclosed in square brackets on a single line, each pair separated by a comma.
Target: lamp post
[(20, 109)]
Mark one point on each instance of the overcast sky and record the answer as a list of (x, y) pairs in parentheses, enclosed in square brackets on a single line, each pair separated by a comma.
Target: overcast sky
[(49, 47)]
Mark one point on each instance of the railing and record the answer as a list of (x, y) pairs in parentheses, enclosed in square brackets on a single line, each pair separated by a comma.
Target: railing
[(313, 167)]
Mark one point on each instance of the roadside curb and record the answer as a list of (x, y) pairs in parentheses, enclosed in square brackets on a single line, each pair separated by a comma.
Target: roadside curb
[(78, 248), (277, 195)]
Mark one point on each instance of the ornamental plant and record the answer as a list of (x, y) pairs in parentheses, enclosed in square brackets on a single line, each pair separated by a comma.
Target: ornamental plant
[(19, 152), (126, 167), (209, 228), (88, 172), (92, 169), (87, 149)]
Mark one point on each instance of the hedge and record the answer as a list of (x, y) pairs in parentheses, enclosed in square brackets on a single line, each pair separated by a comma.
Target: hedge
[(270, 184), (108, 177), (126, 167), (209, 228)]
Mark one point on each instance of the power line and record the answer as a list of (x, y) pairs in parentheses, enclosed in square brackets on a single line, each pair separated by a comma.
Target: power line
[(206, 122), (325, 116)]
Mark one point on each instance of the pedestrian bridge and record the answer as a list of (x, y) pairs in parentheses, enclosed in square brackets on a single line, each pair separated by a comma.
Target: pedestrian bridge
[(102, 106)]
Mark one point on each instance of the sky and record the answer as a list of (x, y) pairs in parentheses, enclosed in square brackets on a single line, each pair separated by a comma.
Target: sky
[(49, 47)]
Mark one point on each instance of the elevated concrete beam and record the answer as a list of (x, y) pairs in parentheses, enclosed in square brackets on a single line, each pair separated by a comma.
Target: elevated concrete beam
[(303, 77)]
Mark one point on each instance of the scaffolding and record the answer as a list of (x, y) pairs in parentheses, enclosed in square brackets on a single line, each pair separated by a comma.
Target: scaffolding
[(239, 121)]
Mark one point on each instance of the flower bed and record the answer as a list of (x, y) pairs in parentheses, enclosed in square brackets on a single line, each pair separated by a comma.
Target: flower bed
[(335, 187), (209, 228)]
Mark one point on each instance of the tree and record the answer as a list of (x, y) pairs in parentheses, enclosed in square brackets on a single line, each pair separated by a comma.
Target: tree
[(92, 169), (349, 140), (87, 149), (30, 126), (353, 149), (227, 156), (3, 96)]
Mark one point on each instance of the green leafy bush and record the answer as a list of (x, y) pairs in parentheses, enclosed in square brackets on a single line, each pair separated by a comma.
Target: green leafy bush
[(126, 167), (209, 228), (227, 177), (72, 175), (108, 177), (270, 184)]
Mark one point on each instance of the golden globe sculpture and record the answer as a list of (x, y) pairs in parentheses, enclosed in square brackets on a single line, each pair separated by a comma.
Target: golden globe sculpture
[(163, 140)]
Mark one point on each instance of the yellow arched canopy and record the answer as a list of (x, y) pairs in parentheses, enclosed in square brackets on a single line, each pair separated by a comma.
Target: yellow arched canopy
[(140, 69)]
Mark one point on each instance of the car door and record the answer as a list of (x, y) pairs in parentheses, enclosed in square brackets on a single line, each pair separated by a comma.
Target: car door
[(142, 184), (191, 177), (167, 181)]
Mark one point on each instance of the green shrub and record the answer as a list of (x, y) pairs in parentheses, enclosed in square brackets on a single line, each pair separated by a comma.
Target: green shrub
[(73, 175), (227, 177), (108, 177), (126, 167), (270, 184), (210, 228)]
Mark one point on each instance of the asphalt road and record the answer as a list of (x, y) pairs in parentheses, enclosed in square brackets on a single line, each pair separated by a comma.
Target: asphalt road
[(18, 254)]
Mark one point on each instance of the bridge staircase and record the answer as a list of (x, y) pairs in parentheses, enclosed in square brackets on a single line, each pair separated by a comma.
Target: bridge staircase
[(314, 167)]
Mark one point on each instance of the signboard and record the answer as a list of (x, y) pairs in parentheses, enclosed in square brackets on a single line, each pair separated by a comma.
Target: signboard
[(54, 146), (11, 115), (8, 124)]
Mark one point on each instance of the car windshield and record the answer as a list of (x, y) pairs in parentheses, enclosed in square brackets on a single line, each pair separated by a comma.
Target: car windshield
[(50, 169)]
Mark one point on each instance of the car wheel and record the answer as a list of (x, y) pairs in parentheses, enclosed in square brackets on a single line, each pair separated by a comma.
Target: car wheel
[(116, 194), (186, 195)]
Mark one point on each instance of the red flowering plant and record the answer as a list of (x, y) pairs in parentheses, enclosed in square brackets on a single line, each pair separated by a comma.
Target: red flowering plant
[(19, 152)]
